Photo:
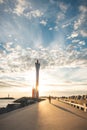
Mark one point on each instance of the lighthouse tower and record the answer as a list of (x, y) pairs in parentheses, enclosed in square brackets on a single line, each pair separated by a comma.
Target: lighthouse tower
[(37, 66)]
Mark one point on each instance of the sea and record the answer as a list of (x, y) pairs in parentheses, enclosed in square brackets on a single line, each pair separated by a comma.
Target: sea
[(5, 102)]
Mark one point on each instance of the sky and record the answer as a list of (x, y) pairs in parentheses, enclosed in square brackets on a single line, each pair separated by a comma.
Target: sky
[(52, 31)]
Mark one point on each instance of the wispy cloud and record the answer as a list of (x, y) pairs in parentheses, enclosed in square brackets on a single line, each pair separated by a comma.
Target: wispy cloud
[(82, 42), (63, 6), (83, 33), (53, 32), (34, 14), (43, 22), (83, 8), (1, 1), (73, 35), (60, 17), (21, 6), (20, 60), (25, 8), (80, 23)]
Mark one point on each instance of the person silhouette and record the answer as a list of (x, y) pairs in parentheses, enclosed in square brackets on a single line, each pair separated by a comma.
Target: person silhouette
[(49, 99)]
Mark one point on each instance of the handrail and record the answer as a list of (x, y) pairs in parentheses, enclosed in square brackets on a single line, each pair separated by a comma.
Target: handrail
[(76, 105)]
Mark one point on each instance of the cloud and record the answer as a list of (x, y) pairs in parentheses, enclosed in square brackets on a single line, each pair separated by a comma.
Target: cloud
[(63, 6), (83, 8), (34, 14), (7, 46), (76, 75), (21, 5), (25, 8), (73, 35), (30, 46), (68, 22), (1, 1), (68, 63), (13, 80), (80, 22), (83, 33), (23, 40), (50, 28), (82, 42), (65, 25), (77, 24), (60, 16), (17, 62), (75, 41), (3, 84), (69, 77), (43, 22), (52, 1)]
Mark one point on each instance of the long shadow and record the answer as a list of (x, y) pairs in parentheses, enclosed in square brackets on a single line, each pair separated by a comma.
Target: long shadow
[(64, 109)]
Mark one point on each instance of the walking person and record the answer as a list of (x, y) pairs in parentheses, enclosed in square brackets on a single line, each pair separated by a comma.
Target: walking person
[(49, 99)]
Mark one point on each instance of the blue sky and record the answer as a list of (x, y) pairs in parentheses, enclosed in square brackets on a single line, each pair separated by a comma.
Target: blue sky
[(53, 31)]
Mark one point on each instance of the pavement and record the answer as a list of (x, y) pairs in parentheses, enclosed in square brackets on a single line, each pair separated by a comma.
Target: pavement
[(45, 116)]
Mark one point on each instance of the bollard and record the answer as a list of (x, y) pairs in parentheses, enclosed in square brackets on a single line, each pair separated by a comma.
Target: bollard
[(79, 107), (84, 107)]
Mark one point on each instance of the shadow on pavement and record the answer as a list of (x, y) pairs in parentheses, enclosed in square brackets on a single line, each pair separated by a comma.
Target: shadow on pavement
[(64, 109)]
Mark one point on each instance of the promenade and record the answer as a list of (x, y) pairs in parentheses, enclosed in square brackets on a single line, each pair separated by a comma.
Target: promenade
[(45, 116)]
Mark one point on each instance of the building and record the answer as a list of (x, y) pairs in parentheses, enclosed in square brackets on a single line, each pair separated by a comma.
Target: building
[(37, 66), (35, 91)]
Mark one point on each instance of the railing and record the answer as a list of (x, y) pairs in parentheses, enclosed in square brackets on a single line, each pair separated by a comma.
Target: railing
[(84, 107)]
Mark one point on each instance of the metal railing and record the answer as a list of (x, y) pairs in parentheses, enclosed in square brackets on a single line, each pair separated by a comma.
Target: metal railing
[(84, 107)]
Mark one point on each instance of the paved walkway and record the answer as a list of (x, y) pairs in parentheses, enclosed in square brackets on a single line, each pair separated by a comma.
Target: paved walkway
[(45, 116)]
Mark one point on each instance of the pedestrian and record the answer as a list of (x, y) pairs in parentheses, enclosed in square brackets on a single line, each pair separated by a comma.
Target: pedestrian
[(49, 99)]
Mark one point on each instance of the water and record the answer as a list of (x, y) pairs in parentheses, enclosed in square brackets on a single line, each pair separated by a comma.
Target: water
[(5, 102)]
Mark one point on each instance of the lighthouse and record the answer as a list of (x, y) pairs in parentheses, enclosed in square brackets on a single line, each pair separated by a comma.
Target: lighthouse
[(37, 66)]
